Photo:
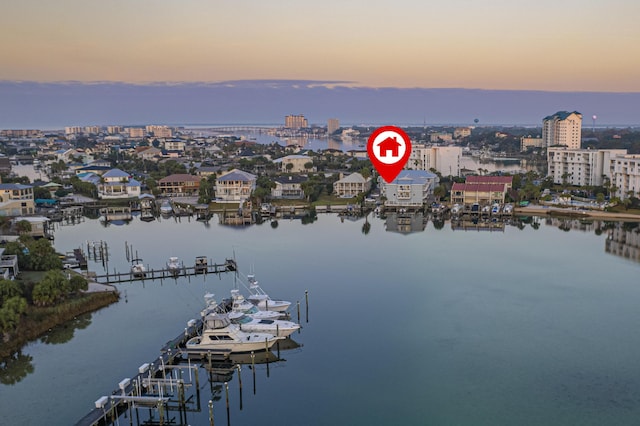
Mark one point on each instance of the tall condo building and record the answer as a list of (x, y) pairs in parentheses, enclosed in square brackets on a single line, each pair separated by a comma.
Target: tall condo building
[(295, 122), (562, 128), (443, 159), (333, 124)]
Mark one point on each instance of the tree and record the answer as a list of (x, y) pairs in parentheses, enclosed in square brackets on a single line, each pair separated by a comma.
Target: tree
[(23, 227), (308, 165), (9, 289), (205, 192), (289, 167), (53, 287), (439, 192), (78, 282)]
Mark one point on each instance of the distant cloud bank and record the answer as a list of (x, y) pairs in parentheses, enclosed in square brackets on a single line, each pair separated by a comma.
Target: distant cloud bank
[(25, 104)]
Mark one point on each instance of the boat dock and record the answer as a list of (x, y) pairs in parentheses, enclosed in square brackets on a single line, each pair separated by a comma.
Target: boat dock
[(153, 274)]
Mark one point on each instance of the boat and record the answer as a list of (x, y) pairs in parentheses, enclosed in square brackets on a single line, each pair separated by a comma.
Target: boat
[(174, 266), (457, 208), (508, 208), (495, 209), (242, 305), (138, 269), (218, 333), (201, 266), (262, 300), (276, 327), (166, 208)]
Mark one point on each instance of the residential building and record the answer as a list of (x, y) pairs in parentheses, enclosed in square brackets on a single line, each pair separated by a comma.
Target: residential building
[(114, 130), (5, 165), (289, 187), (39, 225), (461, 132), (581, 167), (626, 172), (412, 188), (297, 162), (118, 184), (21, 133), (92, 129), (159, 131), (180, 184), (174, 145), (440, 137), (16, 199), (235, 186), (150, 153), (483, 190), (352, 185), (72, 130), (295, 122), (136, 132), (527, 142), (444, 159), (333, 124), (562, 128), (624, 242)]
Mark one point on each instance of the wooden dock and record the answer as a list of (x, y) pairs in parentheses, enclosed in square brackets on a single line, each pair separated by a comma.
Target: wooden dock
[(154, 274)]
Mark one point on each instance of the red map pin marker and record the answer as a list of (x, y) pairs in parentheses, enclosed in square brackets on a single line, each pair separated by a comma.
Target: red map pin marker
[(389, 148)]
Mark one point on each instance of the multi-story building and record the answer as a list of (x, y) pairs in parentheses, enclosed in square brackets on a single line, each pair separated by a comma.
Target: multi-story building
[(411, 188), (527, 142), (581, 167), (444, 159), (562, 128), (114, 130), (21, 133), (626, 175), (92, 129), (72, 130), (482, 190), (295, 122), (16, 199), (235, 186), (440, 137), (297, 162), (136, 132), (174, 145), (180, 184), (461, 132), (352, 185), (333, 124), (118, 184), (159, 131), (288, 187)]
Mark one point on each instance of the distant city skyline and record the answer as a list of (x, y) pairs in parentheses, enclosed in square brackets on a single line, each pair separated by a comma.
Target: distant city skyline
[(491, 45)]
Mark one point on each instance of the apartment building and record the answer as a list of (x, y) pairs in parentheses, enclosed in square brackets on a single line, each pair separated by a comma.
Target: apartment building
[(581, 167), (444, 159), (562, 128)]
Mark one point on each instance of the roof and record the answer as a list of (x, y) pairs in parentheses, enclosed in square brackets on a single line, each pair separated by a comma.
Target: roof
[(14, 186), (238, 175), (293, 157), (478, 187), (561, 115), (413, 177), (489, 179), (115, 173), (290, 179), (180, 177), (133, 182), (353, 178)]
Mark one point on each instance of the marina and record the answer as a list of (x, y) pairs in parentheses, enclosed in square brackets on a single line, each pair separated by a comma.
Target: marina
[(483, 343)]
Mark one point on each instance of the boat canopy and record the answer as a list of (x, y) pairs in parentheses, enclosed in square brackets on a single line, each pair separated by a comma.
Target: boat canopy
[(215, 321)]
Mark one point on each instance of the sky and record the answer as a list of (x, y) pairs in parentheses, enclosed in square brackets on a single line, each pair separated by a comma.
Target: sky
[(548, 45)]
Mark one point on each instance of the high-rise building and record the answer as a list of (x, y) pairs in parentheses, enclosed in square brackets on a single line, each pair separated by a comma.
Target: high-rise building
[(72, 130), (333, 124), (136, 132), (114, 130), (582, 167), (295, 122), (626, 175), (159, 131), (562, 128), (443, 159)]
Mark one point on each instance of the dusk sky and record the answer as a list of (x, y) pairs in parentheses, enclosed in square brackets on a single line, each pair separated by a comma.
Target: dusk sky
[(111, 60), (568, 45)]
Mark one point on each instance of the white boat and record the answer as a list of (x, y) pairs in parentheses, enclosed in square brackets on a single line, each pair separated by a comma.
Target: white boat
[(495, 209), (138, 269), (457, 208), (166, 208), (272, 326), (242, 305), (262, 300), (219, 334), (508, 208), (174, 265)]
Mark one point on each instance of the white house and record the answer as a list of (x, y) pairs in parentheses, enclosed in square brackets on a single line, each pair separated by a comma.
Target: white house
[(412, 188), (352, 185), (235, 186)]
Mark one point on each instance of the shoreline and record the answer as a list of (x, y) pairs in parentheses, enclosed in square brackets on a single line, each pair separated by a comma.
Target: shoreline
[(537, 210)]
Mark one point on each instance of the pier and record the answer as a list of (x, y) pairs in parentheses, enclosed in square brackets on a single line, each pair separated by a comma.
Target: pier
[(153, 274)]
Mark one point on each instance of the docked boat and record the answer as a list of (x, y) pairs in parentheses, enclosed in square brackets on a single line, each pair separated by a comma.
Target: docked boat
[(165, 208), (495, 209), (202, 265), (262, 300), (276, 327), (242, 305), (218, 333), (174, 266), (138, 269)]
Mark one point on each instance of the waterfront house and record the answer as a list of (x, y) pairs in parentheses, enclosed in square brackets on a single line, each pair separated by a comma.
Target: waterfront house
[(411, 188), (352, 185), (118, 184), (39, 225), (16, 199), (179, 185), (483, 194), (235, 186), (289, 187)]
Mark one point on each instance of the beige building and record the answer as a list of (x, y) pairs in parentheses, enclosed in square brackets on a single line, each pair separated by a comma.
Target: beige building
[(181, 184), (235, 186), (626, 175), (527, 142), (297, 164), (174, 145), (562, 128), (352, 185), (159, 131), (581, 167), (483, 190), (461, 132), (333, 124), (295, 122), (114, 130), (441, 137), (444, 159), (136, 132), (16, 199)]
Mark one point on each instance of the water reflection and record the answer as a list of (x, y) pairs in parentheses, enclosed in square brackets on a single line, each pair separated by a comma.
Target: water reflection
[(406, 223), (624, 241), (64, 333), (15, 368)]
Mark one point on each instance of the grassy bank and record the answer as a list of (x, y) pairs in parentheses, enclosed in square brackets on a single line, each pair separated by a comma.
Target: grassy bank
[(37, 321)]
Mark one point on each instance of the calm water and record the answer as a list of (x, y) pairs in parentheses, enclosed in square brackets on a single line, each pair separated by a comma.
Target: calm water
[(443, 327)]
